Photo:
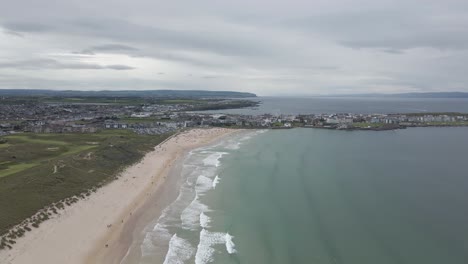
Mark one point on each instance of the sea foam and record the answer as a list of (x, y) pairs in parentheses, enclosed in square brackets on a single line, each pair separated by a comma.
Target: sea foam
[(233, 145), (180, 250), (190, 217), (213, 159), (199, 176), (230, 246), (215, 181), (205, 250), (204, 220), (157, 238)]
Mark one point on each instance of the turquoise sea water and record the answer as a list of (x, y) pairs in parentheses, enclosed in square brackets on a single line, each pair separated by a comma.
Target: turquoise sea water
[(321, 196)]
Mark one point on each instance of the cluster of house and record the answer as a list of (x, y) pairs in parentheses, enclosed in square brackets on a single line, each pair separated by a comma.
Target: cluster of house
[(350, 121), (151, 120)]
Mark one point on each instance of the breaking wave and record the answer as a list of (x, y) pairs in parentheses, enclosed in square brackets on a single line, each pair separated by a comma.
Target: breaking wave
[(182, 234), (230, 246), (213, 159), (215, 181), (190, 217), (204, 220), (179, 251), (205, 250)]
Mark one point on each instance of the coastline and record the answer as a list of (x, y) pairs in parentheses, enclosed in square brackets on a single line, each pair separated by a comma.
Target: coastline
[(147, 213), (101, 228)]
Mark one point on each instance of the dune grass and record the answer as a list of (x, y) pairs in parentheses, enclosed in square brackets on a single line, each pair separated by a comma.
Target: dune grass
[(37, 139), (40, 171), (16, 168)]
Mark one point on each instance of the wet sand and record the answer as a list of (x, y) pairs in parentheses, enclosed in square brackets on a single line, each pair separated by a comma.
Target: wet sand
[(102, 228)]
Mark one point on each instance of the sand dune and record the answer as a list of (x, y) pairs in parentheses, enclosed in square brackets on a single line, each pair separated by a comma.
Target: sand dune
[(91, 230)]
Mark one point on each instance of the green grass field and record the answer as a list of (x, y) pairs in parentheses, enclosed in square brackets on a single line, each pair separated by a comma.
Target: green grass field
[(181, 101), (366, 125), (4, 145), (37, 170)]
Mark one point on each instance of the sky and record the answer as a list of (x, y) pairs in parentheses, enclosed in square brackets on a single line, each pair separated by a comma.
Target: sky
[(268, 47)]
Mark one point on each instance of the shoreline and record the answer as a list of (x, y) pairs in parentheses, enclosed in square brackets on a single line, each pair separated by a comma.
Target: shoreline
[(148, 213), (102, 227)]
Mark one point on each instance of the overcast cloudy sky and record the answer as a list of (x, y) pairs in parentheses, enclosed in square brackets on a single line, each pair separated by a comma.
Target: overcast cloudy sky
[(263, 46)]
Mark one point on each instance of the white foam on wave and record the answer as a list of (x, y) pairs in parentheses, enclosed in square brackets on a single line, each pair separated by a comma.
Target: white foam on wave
[(159, 233), (213, 159), (205, 250), (190, 217), (253, 134), (246, 138), (156, 239), (233, 145), (162, 231), (203, 184), (198, 176), (215, 181), (230, 246), (180, 250), (204, 220)]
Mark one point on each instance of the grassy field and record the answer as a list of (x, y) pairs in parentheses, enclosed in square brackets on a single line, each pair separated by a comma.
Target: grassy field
[(181, 101), (40, 171), (94, 100), (5, 145), (366, 125)]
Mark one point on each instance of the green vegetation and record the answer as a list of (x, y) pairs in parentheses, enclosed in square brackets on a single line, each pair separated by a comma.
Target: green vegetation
[(192, 103), (94, 100), (180, 101), (125, 93), (4, 145), (38, 139), (43, 172), (366, 125), (231, 104), (277, 124)]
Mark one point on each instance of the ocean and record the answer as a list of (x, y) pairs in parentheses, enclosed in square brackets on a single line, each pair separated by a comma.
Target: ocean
[(355, 105), (319, 196)]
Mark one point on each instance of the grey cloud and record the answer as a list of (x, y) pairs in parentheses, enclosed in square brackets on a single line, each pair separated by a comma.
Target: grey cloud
[(388, 30), (35, 64), (84, 52), (113, 47), (118, 67), (107, 48), (13, 33), (211, 76), (101, 84), (393, 51), (26, 27), (299, 46), (123, 31), (393, 44)]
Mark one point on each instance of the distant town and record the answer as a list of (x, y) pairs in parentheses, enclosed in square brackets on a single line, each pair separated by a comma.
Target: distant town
[(70, 144), (159, 116)]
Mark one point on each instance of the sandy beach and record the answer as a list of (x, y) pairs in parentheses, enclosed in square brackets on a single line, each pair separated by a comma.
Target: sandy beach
[(99, 229)]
